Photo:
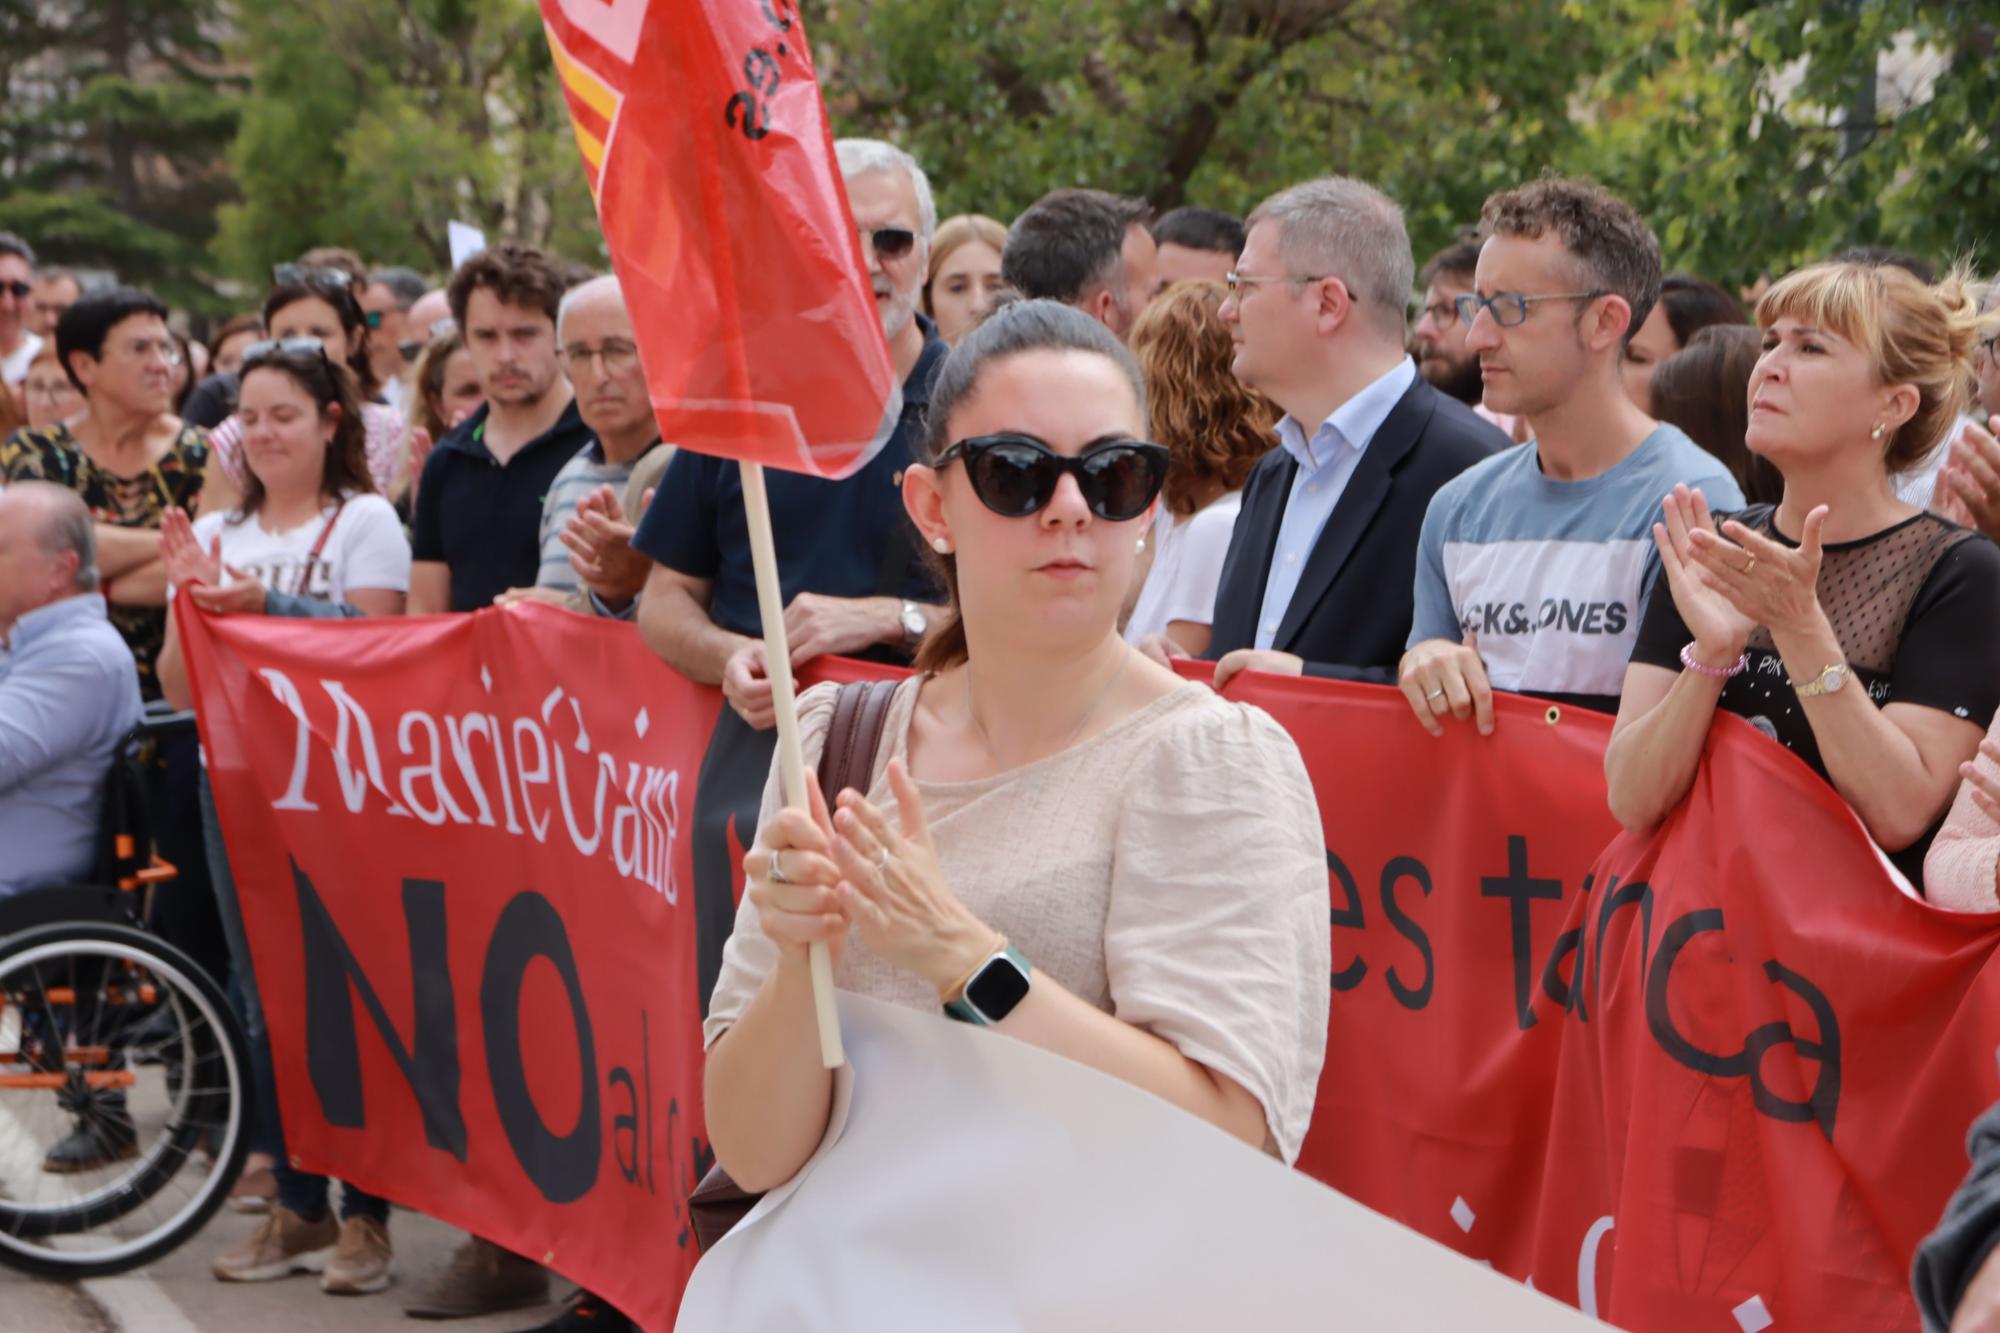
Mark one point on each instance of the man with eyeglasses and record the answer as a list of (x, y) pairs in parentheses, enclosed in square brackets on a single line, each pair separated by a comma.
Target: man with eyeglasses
[(1534, 565), (18, 344), (588, 564), (1317, 576)]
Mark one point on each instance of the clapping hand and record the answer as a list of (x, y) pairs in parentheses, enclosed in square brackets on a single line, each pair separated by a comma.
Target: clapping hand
[(791, 876), (893, 889), (599, 538), (1720, 627), (1968, 486), (186, 562)]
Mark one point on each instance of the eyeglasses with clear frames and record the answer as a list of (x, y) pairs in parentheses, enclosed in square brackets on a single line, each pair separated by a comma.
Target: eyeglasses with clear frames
[(1511, 308), (145, 349), (616, 355), (1236, 282)]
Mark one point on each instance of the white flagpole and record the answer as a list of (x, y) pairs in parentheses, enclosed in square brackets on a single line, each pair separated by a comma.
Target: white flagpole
[(791, 756)]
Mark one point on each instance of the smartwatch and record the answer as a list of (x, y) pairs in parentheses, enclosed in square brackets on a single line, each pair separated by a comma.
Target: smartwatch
[(915, 622), (993, 989)]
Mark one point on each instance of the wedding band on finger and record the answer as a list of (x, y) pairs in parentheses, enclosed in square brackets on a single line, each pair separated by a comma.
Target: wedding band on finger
[(1749, 565), (882, 862), (1435, 694), (776, 871)]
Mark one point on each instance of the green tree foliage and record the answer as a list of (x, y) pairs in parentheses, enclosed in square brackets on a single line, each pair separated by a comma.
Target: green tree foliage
[(372, 123), (113, 116), (1762, 134), (1723, 119)]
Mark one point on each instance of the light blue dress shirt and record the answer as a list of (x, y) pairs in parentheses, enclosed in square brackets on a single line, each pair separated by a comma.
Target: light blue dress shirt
[(69, 693), (1326, 464)]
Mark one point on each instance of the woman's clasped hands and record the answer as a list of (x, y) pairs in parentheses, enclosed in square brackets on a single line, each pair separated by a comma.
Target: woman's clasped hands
[(1728, 580), (814, 874)]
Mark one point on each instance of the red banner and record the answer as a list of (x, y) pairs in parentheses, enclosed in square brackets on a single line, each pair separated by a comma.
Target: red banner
[(708, 150), (1710, 1078)]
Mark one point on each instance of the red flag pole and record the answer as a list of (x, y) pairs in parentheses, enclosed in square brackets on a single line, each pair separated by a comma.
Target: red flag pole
[(791, 754)]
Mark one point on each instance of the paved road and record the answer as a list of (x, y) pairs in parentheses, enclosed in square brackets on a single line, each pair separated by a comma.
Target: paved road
[(177, 1295)]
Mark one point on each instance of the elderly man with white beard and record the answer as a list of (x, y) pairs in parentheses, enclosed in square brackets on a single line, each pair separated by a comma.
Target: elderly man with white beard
[(854, 578)]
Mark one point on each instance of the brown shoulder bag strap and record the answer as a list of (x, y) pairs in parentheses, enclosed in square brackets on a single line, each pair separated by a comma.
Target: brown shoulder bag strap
[(854, 738)]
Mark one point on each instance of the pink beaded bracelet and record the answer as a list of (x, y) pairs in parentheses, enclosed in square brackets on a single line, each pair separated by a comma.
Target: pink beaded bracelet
[(1713, 673)]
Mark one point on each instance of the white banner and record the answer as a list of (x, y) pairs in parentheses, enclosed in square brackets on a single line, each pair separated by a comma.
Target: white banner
[(971, 1182)]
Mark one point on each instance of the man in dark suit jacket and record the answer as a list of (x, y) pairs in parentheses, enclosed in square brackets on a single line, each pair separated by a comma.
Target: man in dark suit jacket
[(1320, 570)]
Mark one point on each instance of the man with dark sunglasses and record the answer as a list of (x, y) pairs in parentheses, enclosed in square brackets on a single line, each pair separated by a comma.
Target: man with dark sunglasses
[(17, 282), (854, 576), (1318, 574)]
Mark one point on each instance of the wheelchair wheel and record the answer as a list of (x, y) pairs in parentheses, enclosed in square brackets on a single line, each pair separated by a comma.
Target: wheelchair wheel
[(115, 1040)]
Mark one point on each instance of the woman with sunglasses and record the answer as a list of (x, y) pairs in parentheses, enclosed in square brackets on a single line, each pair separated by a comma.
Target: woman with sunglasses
[(1002, 866), (313, 303), (309, 538)]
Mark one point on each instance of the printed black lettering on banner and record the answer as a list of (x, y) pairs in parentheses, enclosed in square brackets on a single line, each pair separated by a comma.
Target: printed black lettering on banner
[(1822, 1104), (1408, 867), (700, 1158), (1351, 916), (1521, 890), (333, 1060), (1637, 892), (750, 109), (562, 1166)]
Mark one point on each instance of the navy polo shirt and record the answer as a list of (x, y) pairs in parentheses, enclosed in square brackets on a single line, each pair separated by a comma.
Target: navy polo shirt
[(483, 518), (847, 538)]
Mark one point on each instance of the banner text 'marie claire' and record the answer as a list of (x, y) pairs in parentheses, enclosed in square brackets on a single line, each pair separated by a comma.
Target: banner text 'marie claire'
[(474, 768)]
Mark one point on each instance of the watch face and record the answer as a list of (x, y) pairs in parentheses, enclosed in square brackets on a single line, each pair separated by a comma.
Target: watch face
[(997, 989), (1833, 678), (914, 623)]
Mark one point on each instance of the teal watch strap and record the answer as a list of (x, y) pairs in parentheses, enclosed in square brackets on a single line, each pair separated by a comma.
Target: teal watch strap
[(1000, 983)]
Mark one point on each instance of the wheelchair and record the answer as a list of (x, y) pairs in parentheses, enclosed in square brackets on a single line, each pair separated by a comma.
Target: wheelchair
[(111, 1037)]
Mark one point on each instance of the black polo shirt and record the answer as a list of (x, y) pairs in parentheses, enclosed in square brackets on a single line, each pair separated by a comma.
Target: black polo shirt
[(483, 518), (848, 538)]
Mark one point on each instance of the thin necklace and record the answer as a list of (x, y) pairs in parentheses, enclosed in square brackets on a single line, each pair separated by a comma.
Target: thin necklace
[(1068, 740)]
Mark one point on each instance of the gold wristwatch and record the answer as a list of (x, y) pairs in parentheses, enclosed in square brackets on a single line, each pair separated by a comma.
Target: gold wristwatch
[(1826, 682)]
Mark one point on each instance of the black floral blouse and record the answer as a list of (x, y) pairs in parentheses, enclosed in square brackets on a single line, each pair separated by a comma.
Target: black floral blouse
[(51, 453)]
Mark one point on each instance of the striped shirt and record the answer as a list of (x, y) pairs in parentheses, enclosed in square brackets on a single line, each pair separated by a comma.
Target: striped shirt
[(578, 478)]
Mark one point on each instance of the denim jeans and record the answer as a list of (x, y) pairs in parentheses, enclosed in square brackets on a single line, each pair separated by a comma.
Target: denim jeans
[(300, 1191)]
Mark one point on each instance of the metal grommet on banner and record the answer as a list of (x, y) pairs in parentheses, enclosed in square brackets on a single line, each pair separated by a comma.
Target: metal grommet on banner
[(1553, 716), (548, 1259)]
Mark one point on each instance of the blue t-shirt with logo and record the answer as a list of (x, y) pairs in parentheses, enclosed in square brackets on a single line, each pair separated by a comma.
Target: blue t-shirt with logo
[(1549, 577)]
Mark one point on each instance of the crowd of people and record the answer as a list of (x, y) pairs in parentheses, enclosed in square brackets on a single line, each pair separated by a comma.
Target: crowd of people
[(1535, 464)]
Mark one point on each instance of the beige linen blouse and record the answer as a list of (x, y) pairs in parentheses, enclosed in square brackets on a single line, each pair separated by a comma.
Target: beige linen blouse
[(1170, 871)]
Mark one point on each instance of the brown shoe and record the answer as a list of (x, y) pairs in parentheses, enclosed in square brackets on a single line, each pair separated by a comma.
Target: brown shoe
[(360, 1262), (482, 1279), (257, 1188), (283, 1244)]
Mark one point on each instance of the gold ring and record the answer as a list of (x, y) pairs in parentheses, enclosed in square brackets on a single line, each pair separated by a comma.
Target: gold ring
[(1750, 565)]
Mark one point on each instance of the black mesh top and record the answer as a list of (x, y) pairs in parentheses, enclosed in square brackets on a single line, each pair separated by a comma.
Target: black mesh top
[(1916, 608)]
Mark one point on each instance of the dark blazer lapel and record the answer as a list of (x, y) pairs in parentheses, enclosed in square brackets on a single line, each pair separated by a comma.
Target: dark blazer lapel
[(1366, 490), (1246, 571)]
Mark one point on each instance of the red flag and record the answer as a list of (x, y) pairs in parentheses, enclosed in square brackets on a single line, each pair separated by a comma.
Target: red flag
[(708, 150)]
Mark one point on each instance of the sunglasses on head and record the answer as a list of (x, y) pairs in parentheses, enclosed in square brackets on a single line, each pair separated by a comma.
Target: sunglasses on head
[(299, 275), (890, 242), (269, 347), (1016, 475)]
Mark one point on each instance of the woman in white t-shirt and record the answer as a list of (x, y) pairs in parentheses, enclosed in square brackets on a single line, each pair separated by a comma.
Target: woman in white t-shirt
[(1216, 428), (310, 538)]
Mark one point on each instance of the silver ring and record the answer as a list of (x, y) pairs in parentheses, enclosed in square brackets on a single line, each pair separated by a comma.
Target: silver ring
[(1435, 694), (882, 862), (776, 872)]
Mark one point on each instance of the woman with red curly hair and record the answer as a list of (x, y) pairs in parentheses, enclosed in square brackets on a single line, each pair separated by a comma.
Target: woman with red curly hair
[(1216, 428)]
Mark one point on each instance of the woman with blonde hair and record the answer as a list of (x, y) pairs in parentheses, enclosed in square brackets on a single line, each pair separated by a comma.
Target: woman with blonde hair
[(965, 273), (1215, 428), (1858, 631)]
